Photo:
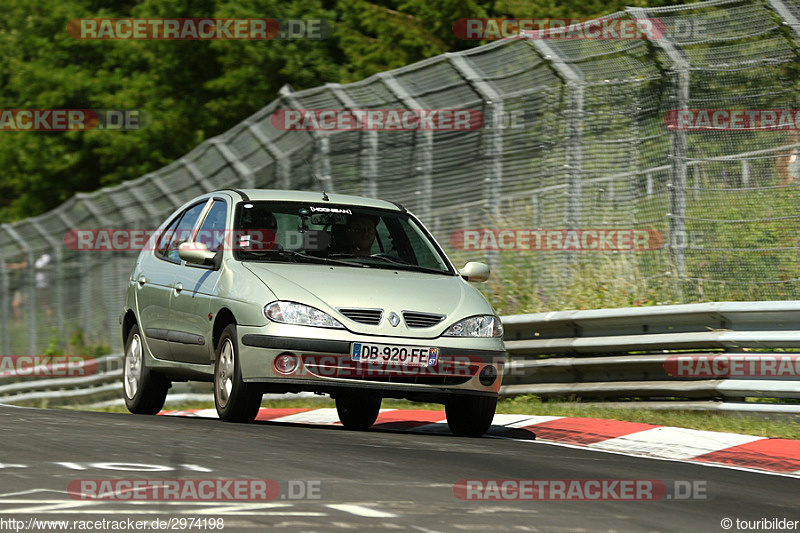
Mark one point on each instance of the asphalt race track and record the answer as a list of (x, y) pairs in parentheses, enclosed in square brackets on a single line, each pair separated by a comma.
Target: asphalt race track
[(377, 480)]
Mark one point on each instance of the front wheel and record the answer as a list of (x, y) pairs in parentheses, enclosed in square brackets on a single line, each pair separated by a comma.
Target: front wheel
[(358, 411), (235, 400), (145, 391), (470, 416)]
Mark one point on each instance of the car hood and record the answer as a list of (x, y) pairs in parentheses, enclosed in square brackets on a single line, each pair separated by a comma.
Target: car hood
[(328, 287)]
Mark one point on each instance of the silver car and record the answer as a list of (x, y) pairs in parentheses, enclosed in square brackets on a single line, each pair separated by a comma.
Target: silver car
[(269, 291)]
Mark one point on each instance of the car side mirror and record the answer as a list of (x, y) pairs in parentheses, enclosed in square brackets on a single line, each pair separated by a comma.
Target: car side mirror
[(196, 253), (474, 271)]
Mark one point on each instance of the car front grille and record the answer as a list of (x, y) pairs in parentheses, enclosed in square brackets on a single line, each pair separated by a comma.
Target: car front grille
[(445, 381), (421, 320), (371, 317)]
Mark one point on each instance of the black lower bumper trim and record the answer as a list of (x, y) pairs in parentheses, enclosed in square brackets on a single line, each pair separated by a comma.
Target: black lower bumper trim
[(297, 345), (387, 390)]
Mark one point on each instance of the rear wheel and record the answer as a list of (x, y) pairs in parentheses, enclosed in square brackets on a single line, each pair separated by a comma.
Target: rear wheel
[(358, 411), (236, 401), (145, 391), (470, 416)]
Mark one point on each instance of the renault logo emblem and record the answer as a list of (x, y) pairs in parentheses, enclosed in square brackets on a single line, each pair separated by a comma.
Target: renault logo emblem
[(394, 320)]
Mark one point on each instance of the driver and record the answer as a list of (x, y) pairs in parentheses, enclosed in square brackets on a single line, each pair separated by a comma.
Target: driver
[(360, 232)]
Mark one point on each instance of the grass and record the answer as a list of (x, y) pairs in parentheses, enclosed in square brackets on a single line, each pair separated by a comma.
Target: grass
[(529, 405)]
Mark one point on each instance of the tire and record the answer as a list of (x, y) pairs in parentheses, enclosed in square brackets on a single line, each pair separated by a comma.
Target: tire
[(358, 411), (144, 391), (236, 401), (470, 416)]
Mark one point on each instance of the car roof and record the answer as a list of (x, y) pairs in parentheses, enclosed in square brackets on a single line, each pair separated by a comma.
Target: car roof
[(282, 195)]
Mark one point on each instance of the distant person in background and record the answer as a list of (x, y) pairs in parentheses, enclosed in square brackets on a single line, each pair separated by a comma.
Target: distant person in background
[(788, 163), (17, 300), (42, 281)]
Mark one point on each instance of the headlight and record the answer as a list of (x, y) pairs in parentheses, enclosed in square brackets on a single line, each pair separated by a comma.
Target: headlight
[(299, 314), (476, 326)]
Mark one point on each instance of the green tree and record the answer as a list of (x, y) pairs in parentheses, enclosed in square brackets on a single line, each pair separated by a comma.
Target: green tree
[(193, 90)]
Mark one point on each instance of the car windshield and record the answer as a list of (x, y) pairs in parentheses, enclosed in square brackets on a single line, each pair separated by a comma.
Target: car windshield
[(337, 234)]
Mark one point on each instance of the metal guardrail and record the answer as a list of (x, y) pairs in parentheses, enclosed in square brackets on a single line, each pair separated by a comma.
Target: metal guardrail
[(585, 354), (588, 354), (720, 325), (104, 384)]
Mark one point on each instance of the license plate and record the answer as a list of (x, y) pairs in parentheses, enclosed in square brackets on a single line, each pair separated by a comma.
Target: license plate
[(392, 354)]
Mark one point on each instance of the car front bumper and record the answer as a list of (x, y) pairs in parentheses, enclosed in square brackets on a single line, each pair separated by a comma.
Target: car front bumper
[(464, 365)]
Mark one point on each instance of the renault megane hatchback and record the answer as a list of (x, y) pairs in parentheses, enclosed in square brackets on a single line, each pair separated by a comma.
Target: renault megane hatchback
[(267, 291)]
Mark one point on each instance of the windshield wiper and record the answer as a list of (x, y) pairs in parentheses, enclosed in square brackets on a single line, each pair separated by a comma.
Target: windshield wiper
[(297, 255), (393, 261)]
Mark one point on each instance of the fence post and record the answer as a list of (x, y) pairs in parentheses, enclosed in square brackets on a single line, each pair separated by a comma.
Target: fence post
[(195, 173), (58, 288), (787, 14), (369, 166), (324, 161), (5, 333), (248, 179), (85, 298), (493, 152), (368, 154), (153, 215), (424, 147), (679, 152), (30, 286), (283, 167), (147, 218), (575, 83), (322, 141), (677, 185), (156, 180), (85, 304)]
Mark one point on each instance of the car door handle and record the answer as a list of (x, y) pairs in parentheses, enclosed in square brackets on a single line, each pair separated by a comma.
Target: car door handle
[(178, 287), (142, 280)]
